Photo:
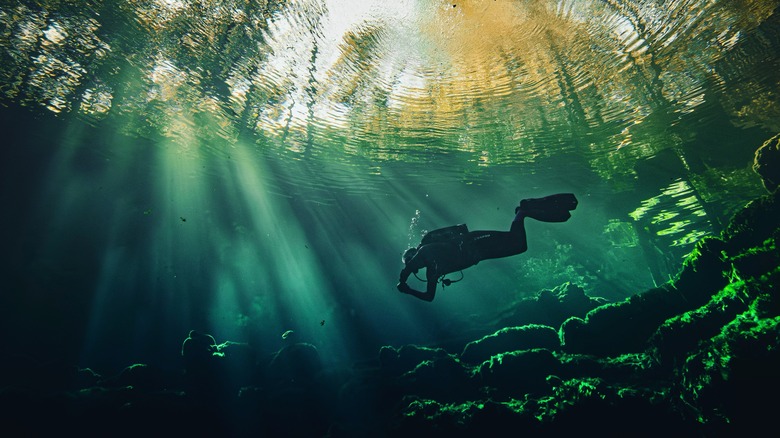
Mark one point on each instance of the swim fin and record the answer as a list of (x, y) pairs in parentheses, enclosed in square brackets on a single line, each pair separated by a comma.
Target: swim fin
[(553, 208)]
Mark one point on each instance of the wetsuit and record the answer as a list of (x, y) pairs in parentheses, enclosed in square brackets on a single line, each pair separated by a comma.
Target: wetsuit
[(442, 258)]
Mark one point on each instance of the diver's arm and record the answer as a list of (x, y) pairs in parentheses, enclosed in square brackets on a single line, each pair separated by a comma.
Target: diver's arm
[(405, 273), (405, 288), (431, 278), (415, 264), (425, 296), (412, 266)]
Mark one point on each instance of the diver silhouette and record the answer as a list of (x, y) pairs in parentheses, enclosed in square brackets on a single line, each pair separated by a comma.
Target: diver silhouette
[(455, 248)]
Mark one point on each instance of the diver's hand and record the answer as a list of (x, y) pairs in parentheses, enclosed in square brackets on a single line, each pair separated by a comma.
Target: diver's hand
[(403, 287)]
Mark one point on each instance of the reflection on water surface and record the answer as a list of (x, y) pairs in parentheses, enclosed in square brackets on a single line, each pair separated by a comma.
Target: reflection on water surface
[(502, 81)]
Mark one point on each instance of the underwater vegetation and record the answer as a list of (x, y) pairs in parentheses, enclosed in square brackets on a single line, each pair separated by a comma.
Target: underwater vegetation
[(696, 356)]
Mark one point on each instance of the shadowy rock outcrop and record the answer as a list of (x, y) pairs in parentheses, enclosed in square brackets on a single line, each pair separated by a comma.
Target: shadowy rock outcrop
[(445, 378), (746, 249), (767, 163), (517, 373), (400, 360), (511, 339), (550, 307), (299, 363)]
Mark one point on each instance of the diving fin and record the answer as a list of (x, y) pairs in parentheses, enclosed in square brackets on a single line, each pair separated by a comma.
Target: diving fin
[(553, 208)]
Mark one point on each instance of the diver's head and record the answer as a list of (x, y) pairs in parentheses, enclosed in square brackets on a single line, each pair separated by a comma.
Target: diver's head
[(408, 254)]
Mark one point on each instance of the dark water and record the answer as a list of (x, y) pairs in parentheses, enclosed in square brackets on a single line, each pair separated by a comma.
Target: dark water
[(249, 168)]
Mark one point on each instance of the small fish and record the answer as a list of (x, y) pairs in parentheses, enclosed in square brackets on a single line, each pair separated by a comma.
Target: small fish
[(183, 219), (147, 212), (322, 322), (287, 334)]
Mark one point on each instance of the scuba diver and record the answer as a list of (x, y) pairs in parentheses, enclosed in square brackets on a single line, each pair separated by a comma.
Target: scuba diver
[(455, 248)]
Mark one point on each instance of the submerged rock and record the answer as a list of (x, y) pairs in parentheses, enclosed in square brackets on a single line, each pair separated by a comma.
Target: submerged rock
[(767, 163), (550, 307), (445, 378), (745, 249), (518, 373), (298, 363), (511, 339), (400, 360), (140, 376), (623, 327), (727, 380)]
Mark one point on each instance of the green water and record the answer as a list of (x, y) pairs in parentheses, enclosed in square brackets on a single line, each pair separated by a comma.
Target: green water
[(249, 168)]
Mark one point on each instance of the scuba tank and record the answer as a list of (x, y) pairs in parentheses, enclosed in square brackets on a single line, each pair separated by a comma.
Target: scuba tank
[(444, 234), (454, 233)]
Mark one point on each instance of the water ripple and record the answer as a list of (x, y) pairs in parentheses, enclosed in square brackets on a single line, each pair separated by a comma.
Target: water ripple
[(501, 82)]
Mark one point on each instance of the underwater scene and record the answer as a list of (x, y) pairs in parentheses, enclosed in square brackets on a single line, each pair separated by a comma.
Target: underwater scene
[(372, 218)]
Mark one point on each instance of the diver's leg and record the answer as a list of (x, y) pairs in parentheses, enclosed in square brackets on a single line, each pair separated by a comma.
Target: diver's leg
[(517, 223), (517, 230), (498, 244)]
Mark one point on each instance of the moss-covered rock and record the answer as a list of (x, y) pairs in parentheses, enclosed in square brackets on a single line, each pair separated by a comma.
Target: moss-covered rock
[(444, 378), (518, 373), (550, 307), (511, 339), (397, 361)]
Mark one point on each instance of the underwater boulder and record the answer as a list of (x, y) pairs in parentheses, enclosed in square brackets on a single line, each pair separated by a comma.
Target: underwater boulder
[(574, 298), (701, 275), (198, 348), (511, 339), (388, 356), (297, 363), (624, 368), (746, 248), (616, 328), (678, 337), (550, 307), (140, 376), (400, 360), (239, 364), (202, 362), (749, 258), (611, 409), (626, 326), (766, 163), (518, 373), (759, 220), (729, 379), (86, 377), (444, 378), (573, 332), (431, 418)]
